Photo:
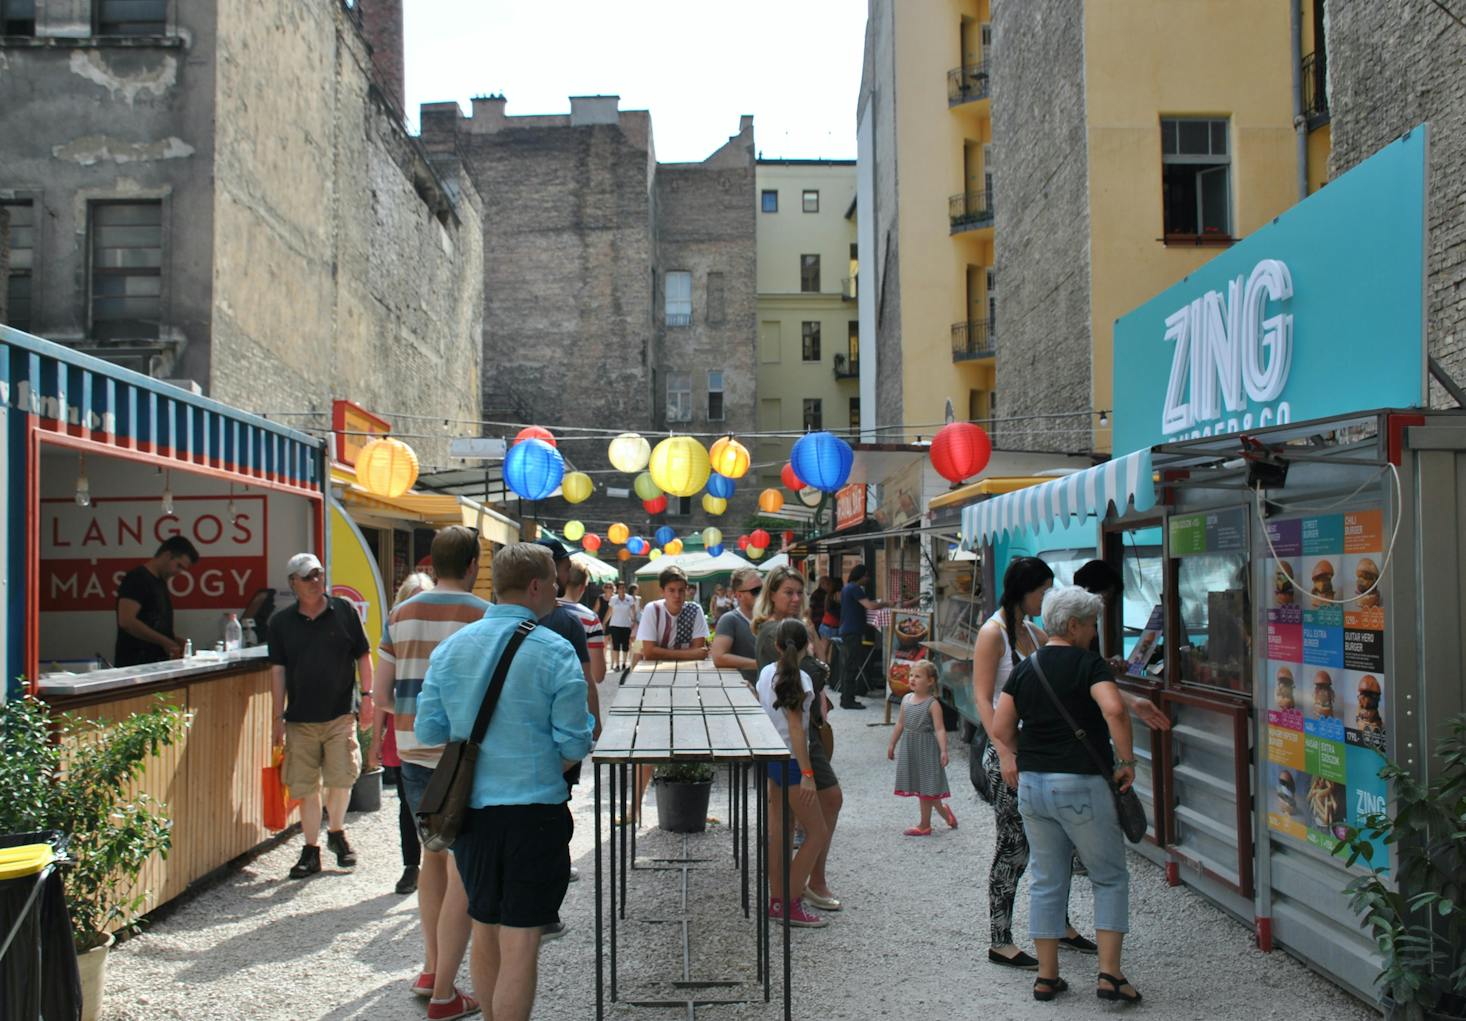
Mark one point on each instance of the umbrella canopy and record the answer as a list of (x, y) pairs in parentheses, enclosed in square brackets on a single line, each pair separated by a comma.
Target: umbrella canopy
[(695, 565), (598, 570), (779, 560)]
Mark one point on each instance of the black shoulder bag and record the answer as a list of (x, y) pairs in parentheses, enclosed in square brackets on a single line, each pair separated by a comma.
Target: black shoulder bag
[(445, 801), (1127, 803)]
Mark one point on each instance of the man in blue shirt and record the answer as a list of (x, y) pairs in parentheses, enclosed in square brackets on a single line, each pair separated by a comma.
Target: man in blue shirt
[(513, 851), (854, 601)]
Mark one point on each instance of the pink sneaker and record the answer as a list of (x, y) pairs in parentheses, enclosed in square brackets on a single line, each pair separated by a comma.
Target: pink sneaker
[(424, 985), (798, 916), (459, 1006)]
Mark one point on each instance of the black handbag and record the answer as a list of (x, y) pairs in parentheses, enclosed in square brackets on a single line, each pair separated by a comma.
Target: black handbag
[(445, 801), (1127, 803), (977, 770)]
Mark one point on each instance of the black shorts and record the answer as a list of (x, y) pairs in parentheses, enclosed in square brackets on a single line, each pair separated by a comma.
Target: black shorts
[(620, 638), (515, 863)]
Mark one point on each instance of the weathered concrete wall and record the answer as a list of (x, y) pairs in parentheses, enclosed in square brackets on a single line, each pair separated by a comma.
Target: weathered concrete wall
[(85, 119), (878, 91), (4, 264), (1041, 196), (1392, 65), (346, 265)]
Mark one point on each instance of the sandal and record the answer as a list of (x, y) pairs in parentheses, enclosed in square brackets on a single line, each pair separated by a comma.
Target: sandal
[(917, 831), (949, 815), (1115, 994), (1051, 987)]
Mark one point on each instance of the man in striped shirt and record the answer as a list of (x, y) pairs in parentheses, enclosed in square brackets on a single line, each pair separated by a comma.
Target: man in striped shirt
[(413, 630)]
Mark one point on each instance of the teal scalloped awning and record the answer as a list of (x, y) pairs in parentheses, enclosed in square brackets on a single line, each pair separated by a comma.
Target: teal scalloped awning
[(1123, 482)]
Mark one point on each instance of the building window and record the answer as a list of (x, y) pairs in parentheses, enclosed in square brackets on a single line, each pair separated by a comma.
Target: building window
[(715, 395), (809, 274), (679, 506), (679, 397), (1196, 187), (810, 200), (17, 17), (715, 299), (679, 298), (132, 17), (852, 343), (811, 334), (770, 200), (127, 268), (22, 255), (855, 414), (814, 418)]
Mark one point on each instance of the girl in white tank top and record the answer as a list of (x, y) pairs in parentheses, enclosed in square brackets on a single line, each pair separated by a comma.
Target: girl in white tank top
[(1005, 662)]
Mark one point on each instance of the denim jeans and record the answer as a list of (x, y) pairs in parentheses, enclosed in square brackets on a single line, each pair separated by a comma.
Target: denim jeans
[(1063, 813)]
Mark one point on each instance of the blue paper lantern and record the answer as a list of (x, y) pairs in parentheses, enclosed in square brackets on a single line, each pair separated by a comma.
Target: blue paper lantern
[(636, 544), (533, 469), (822, 460), (665, 534), (720, 486), (715, 551)]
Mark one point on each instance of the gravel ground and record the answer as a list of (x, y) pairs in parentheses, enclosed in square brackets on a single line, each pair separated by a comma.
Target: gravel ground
[(910, 942)]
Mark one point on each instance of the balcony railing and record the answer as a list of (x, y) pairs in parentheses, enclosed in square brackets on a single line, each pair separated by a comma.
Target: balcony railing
[(971, 340), (967, 84), (847, 368), (679, 318), (1315, 90), (970, 210)]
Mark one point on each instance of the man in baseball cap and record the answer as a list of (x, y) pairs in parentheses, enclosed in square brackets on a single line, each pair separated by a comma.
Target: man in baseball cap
[(318, 650)]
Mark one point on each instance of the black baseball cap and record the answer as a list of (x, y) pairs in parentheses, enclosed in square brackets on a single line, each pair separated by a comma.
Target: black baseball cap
[(556, 547)]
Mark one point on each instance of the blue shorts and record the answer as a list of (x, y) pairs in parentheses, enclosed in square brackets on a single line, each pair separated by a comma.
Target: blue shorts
[(785, 774)]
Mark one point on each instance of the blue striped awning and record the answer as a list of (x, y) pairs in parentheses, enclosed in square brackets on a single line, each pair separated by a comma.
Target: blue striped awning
[(1123, 482)]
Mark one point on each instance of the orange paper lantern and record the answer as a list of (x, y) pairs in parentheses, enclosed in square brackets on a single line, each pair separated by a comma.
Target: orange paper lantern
[(618, 533), (771, 501), (386, 467)]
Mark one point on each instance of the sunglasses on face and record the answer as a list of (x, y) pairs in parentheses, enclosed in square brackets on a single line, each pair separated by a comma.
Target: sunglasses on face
[(315, 575), (755, 590)]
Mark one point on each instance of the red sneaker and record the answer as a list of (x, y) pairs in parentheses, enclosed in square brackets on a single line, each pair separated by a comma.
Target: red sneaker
[(459, 1006), (798, 917), (423, 986)]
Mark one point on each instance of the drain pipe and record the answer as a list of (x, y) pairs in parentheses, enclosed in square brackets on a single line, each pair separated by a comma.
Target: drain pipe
[(1300, 122)]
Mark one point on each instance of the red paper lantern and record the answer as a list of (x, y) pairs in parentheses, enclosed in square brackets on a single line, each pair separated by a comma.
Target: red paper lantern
[(534, 432), (743, 542), (759, 538), (590, 542), (792, 482), (789, 537), (655, 506), (960, 450)]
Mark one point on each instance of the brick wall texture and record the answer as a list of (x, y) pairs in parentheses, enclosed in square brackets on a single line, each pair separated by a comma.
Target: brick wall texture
[(1394, 64), (1040, 188)]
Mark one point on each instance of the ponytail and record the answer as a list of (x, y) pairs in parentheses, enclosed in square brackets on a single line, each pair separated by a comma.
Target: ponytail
[(790, 639), (1023, 576)]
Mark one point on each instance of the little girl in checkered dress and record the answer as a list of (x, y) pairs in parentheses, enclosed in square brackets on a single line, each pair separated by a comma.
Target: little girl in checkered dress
[(921, 770)]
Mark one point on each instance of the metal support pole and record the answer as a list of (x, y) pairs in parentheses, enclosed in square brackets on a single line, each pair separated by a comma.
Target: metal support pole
[(617, 773), (600, 892), (743, 808), (628, 822), (784, 849), (761, 797)]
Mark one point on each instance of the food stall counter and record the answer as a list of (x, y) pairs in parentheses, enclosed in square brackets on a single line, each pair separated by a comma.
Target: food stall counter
[(65, 689)]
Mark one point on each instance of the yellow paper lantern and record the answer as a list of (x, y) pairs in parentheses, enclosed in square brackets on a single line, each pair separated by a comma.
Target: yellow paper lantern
[(711, 537), (654, 554), (629, 453), (673, 548), (771, 501), (679, 466), (729, 458), (576, 487), (754, 552), (713, 505), (618, 533), (386, 467), (645, 487), (623, 555), (574, 530)]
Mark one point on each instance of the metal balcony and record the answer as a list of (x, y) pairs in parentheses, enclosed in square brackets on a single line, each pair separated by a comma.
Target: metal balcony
[(679, 318), (847, 368), (970, 210), (1315, 90), (967, 84), (972, 340)]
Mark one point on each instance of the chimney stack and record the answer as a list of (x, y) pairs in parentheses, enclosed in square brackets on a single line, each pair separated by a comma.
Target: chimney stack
[(381, 20)]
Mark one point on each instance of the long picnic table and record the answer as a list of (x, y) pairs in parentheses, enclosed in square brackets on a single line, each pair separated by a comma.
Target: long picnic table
[(686, 712)]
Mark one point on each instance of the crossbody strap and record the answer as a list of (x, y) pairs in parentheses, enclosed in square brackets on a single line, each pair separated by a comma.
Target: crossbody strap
[(1079, 732), (496, 686)]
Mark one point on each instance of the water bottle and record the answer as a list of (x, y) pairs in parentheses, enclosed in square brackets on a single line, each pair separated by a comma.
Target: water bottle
[(233, 635), (188, 649)]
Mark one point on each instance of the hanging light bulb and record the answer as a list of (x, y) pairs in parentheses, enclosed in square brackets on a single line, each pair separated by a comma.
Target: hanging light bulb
[(83, 487), (1104, 420), (167, 492)]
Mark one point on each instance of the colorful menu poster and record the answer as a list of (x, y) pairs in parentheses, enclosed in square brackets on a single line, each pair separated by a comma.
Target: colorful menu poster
[(1326, 675)]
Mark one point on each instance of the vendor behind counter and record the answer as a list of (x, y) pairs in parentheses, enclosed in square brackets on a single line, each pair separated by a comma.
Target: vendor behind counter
[(145, 609)]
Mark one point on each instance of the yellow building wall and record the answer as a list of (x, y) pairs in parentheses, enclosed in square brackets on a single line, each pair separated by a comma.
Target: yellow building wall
[(1145, 59), (930, 140), (1320, 144)]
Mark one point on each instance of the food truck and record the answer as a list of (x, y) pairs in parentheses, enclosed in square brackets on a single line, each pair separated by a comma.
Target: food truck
[(1293, 507)]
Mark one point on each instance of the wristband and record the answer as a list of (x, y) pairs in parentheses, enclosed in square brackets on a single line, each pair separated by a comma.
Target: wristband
[(1125, 763), (807, 774)]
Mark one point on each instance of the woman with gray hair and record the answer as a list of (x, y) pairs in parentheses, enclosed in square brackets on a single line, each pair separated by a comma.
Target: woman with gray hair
[(1065, 801)]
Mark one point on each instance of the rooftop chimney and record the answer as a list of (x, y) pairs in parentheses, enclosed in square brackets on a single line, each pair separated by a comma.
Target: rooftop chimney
[(381, 21)]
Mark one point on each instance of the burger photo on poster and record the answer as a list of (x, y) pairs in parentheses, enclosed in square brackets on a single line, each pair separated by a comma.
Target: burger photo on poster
[(1321, 583), (1283, 591), (1363, 574), (1284, 696), (1324, 701), (1361, 706)]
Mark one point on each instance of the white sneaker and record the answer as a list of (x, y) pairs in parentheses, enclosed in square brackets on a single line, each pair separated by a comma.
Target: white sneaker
[(574, 874)]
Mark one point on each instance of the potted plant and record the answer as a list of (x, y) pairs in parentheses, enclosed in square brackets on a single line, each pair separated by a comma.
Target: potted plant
[(1418, 916), (366, 793), (683, 791), (113, 830)]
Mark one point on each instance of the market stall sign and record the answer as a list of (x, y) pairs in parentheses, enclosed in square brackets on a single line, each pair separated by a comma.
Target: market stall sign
[(1210, 532), (1318, 313), (850, 506), (354, 427), (354, 575)]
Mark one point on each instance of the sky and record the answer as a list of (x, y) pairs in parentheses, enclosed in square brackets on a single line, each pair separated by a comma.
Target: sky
[(697, 65)]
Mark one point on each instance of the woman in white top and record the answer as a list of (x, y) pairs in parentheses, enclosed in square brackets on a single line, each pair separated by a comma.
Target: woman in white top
[(786, 693)]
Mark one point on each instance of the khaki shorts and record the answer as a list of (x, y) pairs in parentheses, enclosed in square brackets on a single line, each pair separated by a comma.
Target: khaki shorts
[(321, 754)]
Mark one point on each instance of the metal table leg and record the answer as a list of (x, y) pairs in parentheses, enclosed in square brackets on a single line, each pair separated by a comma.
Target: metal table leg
[(743, 830), (784, 849), (616, 772), (762, 794), (600, 892)]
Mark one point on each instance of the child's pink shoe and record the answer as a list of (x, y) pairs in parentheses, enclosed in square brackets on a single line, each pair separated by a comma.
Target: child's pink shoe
[(917, 831), (948, 815)]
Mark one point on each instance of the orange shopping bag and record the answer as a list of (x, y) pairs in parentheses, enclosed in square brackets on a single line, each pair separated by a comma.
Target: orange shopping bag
[(275, 798)]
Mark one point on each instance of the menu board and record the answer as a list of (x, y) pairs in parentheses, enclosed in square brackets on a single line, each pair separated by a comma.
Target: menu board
[(1222, 531), (1326, 676)]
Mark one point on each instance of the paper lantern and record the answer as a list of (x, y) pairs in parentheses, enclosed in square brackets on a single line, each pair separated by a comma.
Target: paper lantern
[(715, 551), (960, 450), (590, 542), (386, 467), (577, 487), (623, 555), (771, 501), (711, 537), (792, 482), (654, 554), (664, 535), (533, 469), (646, 487), (574, 530), (720, 486), (789, 537), (758, 537), (534, 432), (823, 460), (618, 533), (754, 552), (629, 453), (673, 548), (655, 506), (730, 458), (679, 465), (636, 544), (743, 542), (713, 505)]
